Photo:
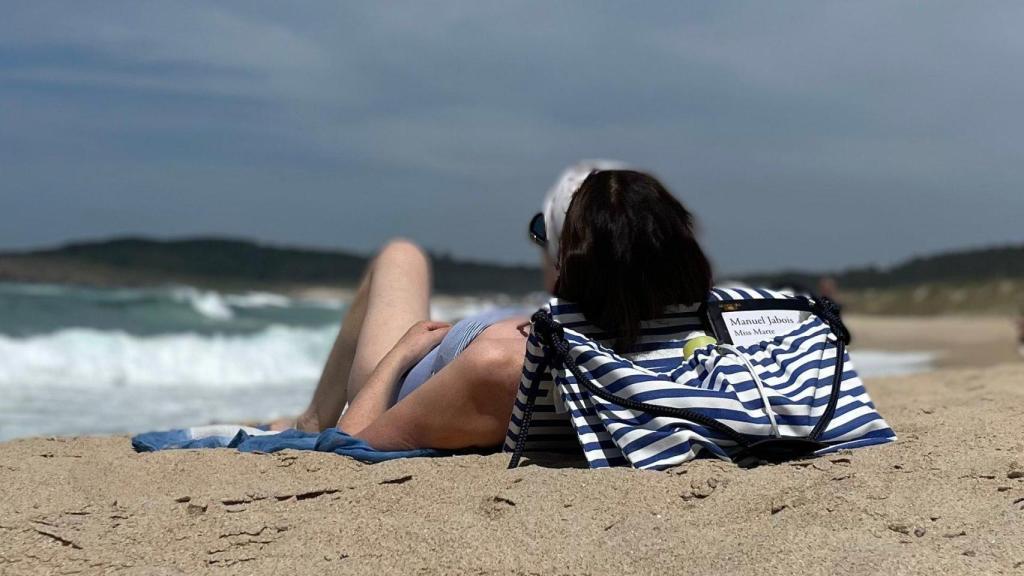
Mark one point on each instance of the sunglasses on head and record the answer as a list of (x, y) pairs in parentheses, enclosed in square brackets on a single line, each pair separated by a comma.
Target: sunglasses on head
[(538, 232)]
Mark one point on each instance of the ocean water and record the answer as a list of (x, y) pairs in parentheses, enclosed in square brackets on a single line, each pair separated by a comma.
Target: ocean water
[(79, 360), (93, 361)]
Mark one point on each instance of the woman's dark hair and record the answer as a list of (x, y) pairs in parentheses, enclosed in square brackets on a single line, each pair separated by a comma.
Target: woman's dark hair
[(627, 251)]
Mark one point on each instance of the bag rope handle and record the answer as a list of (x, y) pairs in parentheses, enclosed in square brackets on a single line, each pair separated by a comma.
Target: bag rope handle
[(524, 424), (828, 311), (757, 382)]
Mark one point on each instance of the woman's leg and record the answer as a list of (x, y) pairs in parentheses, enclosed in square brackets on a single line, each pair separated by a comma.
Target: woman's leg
[(393, 295), (399, 296), (331, 392)]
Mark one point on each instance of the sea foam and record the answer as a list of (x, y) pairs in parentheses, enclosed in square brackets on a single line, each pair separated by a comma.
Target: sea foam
[(85, 357)]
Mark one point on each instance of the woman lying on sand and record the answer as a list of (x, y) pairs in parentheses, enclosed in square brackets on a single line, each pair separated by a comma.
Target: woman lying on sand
[(414, 383)]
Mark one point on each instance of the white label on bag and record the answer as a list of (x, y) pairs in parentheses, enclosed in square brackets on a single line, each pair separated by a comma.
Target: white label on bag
[(749, 327)]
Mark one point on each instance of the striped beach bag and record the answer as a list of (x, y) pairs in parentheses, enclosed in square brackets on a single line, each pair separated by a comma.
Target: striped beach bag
[(778, 385)]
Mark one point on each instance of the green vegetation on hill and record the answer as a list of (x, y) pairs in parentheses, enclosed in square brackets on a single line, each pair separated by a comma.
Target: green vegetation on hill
[(989, 281), (217, 261), (999, 263), (995, 297)]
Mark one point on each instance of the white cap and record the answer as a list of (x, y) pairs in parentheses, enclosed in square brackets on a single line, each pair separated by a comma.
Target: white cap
[(556, 203)]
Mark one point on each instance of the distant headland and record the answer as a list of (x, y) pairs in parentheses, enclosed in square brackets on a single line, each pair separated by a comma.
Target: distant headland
[(233, 263), (977, 280)]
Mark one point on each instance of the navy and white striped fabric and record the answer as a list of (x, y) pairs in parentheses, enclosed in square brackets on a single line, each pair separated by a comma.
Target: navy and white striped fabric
[(796, 369)]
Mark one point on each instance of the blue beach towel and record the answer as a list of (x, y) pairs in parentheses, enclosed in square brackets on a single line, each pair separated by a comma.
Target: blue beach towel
[(249, 439)]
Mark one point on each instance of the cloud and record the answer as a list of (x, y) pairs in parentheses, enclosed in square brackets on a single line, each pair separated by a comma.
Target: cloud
[(873, 129)]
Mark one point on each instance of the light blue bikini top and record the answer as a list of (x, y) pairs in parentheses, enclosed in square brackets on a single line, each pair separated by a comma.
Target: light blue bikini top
[(454, 342)]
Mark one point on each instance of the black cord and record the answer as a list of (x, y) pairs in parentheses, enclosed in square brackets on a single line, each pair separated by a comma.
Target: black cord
[(828, 311), (833, 399), (524, 424)]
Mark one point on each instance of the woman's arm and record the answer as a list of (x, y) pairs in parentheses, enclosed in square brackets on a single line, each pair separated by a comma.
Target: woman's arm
[(380, 388), (466, 405)]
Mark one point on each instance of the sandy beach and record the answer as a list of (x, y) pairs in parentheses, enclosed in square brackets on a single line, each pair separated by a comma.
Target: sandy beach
[(957, 341), (947, 498)]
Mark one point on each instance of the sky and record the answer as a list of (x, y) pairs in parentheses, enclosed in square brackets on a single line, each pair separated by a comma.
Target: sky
[(814, 135)]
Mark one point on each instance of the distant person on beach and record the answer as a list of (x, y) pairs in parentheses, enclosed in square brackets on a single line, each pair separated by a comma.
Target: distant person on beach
[(1020, 334), (410, 382), (829, 288)]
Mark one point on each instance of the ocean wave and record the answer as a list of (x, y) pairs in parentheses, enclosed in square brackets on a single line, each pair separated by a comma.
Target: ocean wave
[(92, 358), (33, 289), (258, 300), (207, 303), (77, 292)]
